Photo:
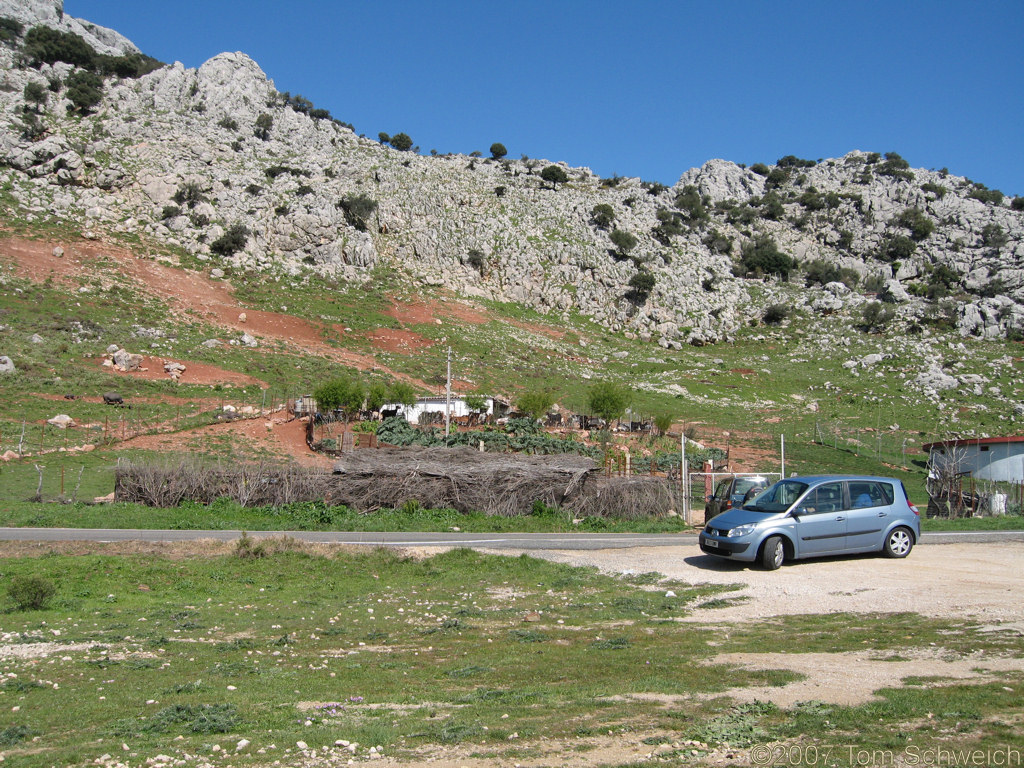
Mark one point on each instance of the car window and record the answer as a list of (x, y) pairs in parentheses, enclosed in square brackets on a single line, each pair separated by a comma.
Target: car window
[(870, 494), (723, 489), (827, 497), (778, 498), (744, 484)]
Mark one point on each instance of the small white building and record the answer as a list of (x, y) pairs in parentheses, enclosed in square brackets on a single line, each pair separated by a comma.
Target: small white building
[(496, 407), (997, 459)]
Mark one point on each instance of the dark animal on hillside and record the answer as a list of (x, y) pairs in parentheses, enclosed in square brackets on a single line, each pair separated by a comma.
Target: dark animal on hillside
[(70, 397), (112, 398)]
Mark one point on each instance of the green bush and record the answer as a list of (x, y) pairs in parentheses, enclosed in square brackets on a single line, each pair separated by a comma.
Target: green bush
[(986, 195), (340, 394), (85, 90), (760, 169), (775, 314), (1017, 204), (401, 141), (10, 29), (608, 400), (498, 150), (641, 284), (669, 225), (36, 93), (917, 222), (190, 194), (228, 123), (772, 207), (170, 211), (132, 65), (554, 176), (875, 316), (602, 215), (776, 178), (762, 256), (357, 209), (44, 45), (30, 593), (895, 167), (232, 241), (535, 402), (936, 189), (993, 236), (623, 241), (690, 203), (264, 123), (792, 161), (896, 248)]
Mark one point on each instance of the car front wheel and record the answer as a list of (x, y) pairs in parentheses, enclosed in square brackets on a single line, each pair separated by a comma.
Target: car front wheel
[(898, 543), (773, 553)]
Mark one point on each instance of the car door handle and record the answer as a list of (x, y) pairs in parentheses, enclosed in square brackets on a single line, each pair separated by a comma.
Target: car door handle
[(840, 519)]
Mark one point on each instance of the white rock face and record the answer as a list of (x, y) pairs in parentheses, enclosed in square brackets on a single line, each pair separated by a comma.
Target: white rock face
[(50, 13), (478, 227)]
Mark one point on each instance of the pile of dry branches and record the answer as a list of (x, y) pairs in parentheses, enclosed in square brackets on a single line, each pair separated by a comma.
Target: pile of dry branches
[(505, 484)]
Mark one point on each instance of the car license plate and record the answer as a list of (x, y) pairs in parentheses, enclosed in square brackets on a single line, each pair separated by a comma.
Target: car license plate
[(711, 543)]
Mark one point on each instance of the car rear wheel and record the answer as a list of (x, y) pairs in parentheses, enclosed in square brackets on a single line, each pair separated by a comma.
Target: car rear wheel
[(773, 553), (898, 543)]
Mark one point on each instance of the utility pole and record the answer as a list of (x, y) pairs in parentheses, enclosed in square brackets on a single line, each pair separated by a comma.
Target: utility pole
[(448, 396)]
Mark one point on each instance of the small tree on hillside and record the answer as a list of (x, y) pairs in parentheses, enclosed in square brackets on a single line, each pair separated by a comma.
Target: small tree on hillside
[(608, 400), (232, 241), (263, 125), (554, 176), (602, 215), (402, 393), (401, 141), (623, 241), (663, 422), (535, 402), (339, 394), (498, 150), (357, 209), (376, 396)]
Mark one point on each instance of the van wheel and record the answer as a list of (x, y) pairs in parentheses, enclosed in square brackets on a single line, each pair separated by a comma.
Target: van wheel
[(773, 553), (898, 543)]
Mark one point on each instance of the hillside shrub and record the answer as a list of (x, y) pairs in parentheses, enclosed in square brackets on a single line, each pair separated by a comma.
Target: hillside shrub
[(792, 161), (35, 94), (775, 314), (170, 211), (691, 204), (623, 241), (986, 195), (917, 222), (608, 400), (1017, 204), (357, 209), (896, 248), (760, 169), (30, 593), (10, 29), (993, 236), (132, 65), (554, 176), (875, 316), (345, 395), (475, 258), (231, 242), (776, 178), (44, 45), (602, 215), (936, 189), (264, 124), (498, 150), (228, 123), (401, 141), (535, 402), (717, 242), (641, 284), (772, 207), (894, 167), (762, 256), (190, 194), (85, 90), (669, 225)]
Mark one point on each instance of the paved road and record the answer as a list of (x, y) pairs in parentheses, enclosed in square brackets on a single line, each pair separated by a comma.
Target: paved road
[(518, 541)]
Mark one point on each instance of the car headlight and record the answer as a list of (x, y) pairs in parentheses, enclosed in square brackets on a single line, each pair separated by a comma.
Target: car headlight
[(740, 530)]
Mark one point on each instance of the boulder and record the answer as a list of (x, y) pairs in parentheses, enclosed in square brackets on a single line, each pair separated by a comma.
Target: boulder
[(6, 365), (63, 421), (126, 361)]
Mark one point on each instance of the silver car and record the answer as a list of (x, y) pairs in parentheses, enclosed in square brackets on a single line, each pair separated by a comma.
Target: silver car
[(816, 516)]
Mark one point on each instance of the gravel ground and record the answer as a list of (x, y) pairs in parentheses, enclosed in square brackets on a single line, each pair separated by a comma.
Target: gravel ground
[(979, 581)]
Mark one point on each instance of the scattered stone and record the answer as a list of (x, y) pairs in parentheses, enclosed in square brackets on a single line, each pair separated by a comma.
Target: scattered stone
[(63, 421), (35, 338), (7, 365)]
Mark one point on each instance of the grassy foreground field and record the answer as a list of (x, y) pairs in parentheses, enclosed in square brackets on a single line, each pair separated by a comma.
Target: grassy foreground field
[(250, 654)]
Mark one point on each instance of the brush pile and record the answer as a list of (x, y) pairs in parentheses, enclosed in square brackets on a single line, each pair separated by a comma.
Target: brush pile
[(463, 479)]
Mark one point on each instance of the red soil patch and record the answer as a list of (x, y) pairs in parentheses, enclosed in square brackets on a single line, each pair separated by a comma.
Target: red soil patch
[(419, 312), (542, 330), (743, 371), (402, 342), (189, 295), (283, 439), (195, 373)]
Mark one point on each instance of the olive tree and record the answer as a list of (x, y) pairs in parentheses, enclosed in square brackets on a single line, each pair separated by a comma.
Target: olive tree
[(608, 400)]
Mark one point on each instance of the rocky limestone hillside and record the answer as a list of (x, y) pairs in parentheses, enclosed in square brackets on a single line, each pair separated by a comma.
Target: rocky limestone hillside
[(215, 163)]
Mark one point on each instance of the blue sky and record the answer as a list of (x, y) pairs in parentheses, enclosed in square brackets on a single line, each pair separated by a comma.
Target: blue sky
[(645, 88)]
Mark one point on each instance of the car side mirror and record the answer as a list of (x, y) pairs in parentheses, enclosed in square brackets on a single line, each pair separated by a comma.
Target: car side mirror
[(711, 497)]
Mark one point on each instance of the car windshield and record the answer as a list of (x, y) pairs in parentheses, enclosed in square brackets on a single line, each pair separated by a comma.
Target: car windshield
[(778, 498)]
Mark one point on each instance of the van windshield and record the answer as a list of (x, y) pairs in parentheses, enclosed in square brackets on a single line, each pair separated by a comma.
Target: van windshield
[(778, 498)]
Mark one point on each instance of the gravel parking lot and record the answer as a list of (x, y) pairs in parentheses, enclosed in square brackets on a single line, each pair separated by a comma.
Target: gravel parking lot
[(978, 581)]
